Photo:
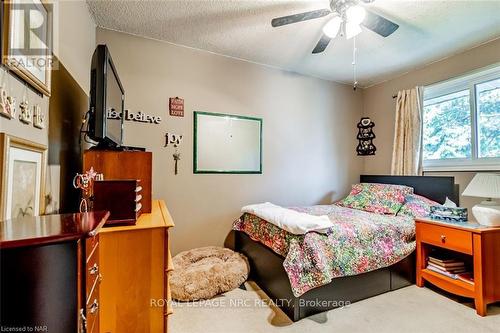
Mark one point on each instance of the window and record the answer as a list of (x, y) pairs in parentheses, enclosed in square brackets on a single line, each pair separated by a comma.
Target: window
[(488, 118), (461, 123)]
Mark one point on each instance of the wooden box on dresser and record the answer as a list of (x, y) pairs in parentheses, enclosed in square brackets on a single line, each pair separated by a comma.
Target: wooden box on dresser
[(123, 165), (122, 198), (134, 263), (480, 245)]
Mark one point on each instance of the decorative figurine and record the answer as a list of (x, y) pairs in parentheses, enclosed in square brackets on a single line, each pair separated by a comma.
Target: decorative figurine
[(85, 182), (25, 115), (7, 104), (38, 117)]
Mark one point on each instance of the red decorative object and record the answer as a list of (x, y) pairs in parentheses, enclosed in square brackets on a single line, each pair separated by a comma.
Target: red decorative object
[(176, 107)]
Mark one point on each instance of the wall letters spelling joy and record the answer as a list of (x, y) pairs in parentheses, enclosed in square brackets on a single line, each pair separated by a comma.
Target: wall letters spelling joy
[(138, 116), (174, 140)]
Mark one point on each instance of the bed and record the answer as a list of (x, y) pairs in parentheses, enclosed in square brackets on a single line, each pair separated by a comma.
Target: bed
[(268, 271)]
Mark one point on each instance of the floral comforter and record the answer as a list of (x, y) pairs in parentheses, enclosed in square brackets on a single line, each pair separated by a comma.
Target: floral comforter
[(358, 242)]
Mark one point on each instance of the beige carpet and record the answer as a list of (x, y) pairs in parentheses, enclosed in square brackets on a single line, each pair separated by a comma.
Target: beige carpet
[(410, 309)]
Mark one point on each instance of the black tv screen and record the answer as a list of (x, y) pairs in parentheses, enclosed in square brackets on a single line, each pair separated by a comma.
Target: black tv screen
[(106, 100)]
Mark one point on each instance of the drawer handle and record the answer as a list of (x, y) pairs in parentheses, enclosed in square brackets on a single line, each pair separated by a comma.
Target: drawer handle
[(94, 269), (94, 307), (443, 239)]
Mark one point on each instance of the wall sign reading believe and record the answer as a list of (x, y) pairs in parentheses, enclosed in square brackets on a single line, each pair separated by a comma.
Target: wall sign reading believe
[(138, 116)]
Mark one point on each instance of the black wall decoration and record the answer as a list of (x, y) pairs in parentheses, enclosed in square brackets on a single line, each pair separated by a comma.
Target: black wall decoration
[(365, 136)]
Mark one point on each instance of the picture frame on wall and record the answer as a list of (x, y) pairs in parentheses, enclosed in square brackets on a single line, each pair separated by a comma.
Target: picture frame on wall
[(22, 177), (26, 51)]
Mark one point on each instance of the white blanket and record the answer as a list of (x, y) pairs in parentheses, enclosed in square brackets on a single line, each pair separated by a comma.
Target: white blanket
[(292, 221)]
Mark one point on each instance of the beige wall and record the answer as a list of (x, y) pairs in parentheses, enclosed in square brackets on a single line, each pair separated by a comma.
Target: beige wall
[(379, 105), (308, 132), (74, 38)]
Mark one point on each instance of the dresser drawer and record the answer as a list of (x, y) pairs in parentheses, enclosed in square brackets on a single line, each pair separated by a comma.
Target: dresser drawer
[(448, 238)]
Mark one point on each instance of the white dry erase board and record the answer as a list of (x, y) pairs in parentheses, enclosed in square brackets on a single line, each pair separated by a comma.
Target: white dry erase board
[(226, 143)]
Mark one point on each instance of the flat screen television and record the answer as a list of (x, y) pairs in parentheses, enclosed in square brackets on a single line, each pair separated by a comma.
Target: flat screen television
[(106, 101)]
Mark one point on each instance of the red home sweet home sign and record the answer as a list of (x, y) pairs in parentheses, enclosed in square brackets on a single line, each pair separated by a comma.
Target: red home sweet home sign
[(176, 107)]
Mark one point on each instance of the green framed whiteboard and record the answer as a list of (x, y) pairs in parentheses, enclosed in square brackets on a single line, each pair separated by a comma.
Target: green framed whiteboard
[(225, 143)]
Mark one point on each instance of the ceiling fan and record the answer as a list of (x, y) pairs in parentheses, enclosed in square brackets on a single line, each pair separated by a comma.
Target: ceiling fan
[(348, 17)]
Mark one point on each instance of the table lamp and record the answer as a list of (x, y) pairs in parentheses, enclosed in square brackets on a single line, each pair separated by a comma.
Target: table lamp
[(485, 185)]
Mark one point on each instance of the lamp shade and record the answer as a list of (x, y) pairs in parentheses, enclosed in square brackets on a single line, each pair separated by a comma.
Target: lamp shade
[(484, 185)]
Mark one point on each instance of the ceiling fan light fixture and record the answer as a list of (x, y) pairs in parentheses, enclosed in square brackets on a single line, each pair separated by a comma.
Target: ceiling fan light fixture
[(332, 27), (352, 30), (355, 14)]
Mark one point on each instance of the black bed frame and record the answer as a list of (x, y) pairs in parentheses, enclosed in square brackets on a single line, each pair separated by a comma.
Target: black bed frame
[(268, 272)]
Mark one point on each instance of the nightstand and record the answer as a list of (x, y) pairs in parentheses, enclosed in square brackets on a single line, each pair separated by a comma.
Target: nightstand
[(476, 244)]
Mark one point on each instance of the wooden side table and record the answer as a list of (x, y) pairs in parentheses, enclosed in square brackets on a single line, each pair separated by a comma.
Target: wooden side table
[(479, 244)]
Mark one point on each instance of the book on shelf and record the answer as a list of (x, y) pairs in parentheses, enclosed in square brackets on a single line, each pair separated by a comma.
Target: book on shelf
[(450, 264), (458, 269), (442, 261), (437, 270), (462, 276)]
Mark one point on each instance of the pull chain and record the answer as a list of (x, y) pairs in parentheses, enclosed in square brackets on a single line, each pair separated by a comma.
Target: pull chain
[(4, 73), (354, 54)]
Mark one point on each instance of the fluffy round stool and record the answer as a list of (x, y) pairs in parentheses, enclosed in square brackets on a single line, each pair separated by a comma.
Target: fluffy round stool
[(205, 272)]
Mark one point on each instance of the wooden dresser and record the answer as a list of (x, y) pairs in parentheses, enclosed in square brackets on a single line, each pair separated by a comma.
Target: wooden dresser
[(134, 262), (49, 273), (476, 245)]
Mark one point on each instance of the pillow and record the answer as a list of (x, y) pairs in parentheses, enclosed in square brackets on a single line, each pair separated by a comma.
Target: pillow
[(376, 198), (416, 206)]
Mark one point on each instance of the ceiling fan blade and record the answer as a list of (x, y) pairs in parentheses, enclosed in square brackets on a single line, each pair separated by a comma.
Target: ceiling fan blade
[(379, 24), (279, 21), (322, 44)]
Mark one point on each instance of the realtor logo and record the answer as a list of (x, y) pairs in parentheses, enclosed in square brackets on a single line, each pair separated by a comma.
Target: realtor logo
[(28, 39), (30, 29)]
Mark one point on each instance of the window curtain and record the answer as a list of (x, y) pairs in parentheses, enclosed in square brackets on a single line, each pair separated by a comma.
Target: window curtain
[(407, 149)]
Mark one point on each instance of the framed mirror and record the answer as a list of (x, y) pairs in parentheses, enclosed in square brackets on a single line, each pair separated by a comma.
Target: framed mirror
[(226, 143)]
